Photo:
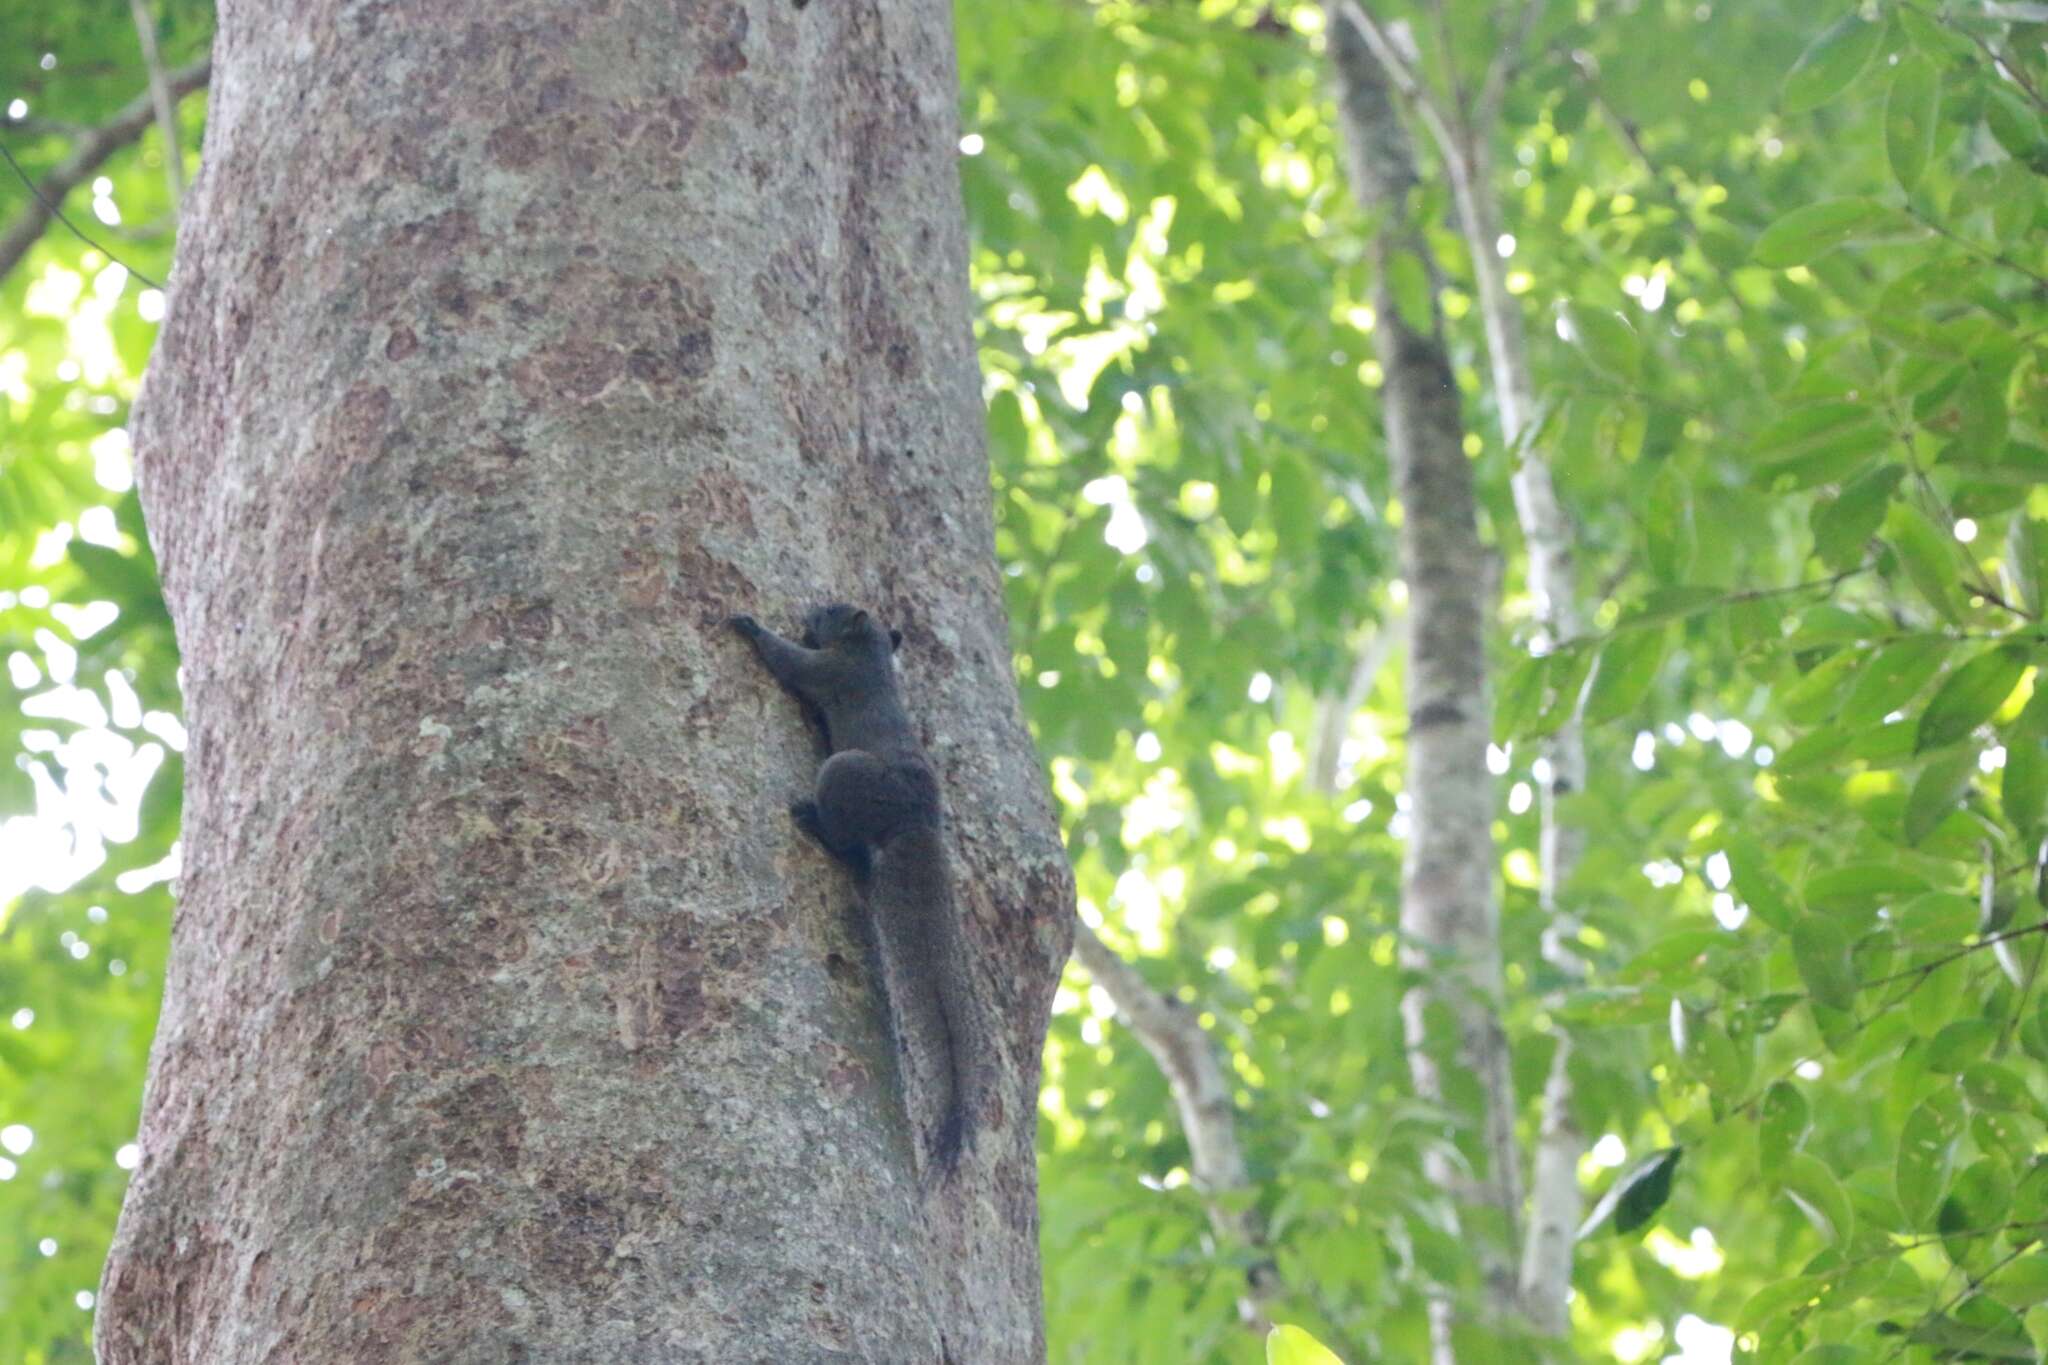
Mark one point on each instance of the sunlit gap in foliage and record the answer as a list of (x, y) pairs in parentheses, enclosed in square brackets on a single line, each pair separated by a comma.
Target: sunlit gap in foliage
[(98, 799)]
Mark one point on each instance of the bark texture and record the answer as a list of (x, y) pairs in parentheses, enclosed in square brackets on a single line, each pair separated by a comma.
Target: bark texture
[(1450, 917), (512, 346), (1464, 139)]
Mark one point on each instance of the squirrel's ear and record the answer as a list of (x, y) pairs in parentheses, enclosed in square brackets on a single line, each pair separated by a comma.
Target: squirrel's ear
[(895, 640), (858, 619)]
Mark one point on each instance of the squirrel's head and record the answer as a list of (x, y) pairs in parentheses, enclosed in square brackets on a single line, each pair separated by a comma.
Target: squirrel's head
[(844, 628)]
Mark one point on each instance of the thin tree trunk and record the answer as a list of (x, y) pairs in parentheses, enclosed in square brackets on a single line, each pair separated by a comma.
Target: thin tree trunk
[(1545, 1279), (512, 347), (1554, 1176), (1463, 132), (1449, 913)]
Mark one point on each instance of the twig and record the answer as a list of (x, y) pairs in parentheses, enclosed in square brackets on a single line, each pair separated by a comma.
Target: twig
[(1502, 68), (160, 98), (2012, 71), (1460, 106), (92, 150), (1982, 253)]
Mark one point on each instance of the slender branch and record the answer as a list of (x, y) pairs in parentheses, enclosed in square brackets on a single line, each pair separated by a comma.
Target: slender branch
[(87, 156), (1505, 63), (161, 100), (1982, 253), (1326, 753), (1971, 1284), (1927, 969), (33, 126), (2012, 71), (1202, 1093), (1461, 108)]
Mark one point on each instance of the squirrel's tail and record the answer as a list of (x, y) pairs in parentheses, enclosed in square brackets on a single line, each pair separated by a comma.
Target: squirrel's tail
[(919, 924)]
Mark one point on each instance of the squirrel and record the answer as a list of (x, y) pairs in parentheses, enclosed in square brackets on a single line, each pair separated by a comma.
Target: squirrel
[(876, 809)]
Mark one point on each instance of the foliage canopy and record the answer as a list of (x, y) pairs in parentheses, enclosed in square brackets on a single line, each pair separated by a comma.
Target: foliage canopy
[(1786, 275)]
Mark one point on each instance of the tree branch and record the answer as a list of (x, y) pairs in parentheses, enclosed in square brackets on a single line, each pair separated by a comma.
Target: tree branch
[(87, 156), (161, 100), (1201, 1092), (1502, 68)]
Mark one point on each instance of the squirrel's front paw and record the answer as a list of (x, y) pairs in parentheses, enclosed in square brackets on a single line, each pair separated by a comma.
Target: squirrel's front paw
[(744, 624), (805, 815)]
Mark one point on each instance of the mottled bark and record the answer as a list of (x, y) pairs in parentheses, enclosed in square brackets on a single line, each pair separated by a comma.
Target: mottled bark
[(1450, 916), (1208, 1115), (512, 346), (1554, 1202), (1463, 134)]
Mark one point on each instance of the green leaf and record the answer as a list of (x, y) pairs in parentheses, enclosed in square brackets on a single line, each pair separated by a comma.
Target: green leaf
[(1958, 1044), (1828, 1353), (1909, 116), (1936, 791), (1775, 1300), (1893, 677), (1296, 502), (1979, 1202), (1781, 1123), (1951, 1338), (1812, 230), (1820, 949), (1843, 526), (1970, 696), (1937, 917), (2023, 785), (1628, 665), (1520, 697), (1604, 337), (1814, 1189), (1634, 1199), (1288, 1345), (1668, 531), (1989, 1085), (1831, 63), (1671, 604), (1927, 1151), (2016, 127), (1760, 888), (1857, 886), (1819, 444), (2023, 1283), (1929, 557), (2026, 547)]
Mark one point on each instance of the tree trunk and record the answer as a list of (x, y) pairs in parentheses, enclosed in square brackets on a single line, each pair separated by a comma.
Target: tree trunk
[(1450, 917), (508, 1018)]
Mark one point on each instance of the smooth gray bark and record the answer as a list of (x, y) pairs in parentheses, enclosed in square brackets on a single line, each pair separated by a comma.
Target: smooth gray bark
[(1450, 915), (512, 346)]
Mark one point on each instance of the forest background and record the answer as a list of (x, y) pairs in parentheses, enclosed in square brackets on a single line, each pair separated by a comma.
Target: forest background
[(1783, 279)]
